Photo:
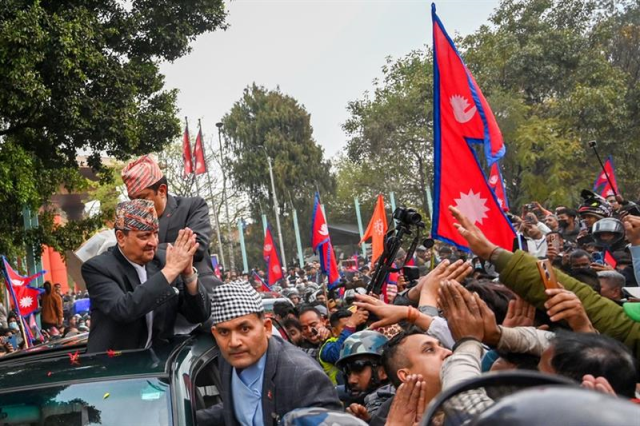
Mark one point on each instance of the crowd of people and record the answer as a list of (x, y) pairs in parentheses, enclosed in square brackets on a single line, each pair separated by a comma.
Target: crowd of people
[(421, 348)]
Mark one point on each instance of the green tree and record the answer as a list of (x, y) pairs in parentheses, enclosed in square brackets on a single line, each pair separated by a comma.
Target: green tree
[(84, 76), (558, 74), (389, 132), (269, 123)]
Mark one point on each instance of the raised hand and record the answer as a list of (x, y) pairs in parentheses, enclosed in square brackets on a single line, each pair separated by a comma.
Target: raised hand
[(478, 243), (564, 305), (598, 384), (409, 403), (461, 310), (180, 254), (430, 283), (632, 229), (519, 313)]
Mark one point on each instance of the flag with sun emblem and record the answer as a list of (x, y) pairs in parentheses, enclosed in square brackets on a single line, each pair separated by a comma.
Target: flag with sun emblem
[(24, 297), (497, 185), (462, 116), (321, 243), (270, 254)]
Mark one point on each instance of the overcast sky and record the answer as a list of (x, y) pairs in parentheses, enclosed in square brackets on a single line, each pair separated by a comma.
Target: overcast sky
[(324, 53)]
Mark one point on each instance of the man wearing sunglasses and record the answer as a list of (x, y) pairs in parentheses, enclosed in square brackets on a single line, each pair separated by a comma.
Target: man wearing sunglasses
[(366, 382)]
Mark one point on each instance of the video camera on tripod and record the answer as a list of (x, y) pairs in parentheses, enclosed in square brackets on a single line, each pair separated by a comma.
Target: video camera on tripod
[(408, 223)]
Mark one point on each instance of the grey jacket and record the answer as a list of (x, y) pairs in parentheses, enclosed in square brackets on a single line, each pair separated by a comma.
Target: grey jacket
[(291, 380)]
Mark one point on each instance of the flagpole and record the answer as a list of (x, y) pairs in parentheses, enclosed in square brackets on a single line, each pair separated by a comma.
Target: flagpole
[(593, 145), (215, 213), (232, 261), (392, 198), (360, 228), (243, 249), (9, 285), (296, 228), (275, 210)]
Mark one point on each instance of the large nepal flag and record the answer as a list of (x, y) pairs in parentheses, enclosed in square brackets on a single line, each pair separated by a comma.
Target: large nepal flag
[(461, 116), (497, 186), (270, 254), (321, 243), (602, 185)]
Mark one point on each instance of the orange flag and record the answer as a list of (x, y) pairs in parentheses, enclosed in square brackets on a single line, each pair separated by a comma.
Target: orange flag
[(376, 230)]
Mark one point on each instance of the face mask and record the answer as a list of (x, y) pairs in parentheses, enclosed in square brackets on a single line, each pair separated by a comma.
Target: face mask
[(14, 326), (563, 223)]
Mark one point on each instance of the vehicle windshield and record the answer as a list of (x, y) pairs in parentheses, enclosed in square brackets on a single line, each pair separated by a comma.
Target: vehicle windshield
[(118, 402)]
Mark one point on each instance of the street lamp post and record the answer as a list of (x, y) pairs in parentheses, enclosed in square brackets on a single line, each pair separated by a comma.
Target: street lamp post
[(232, 262), (275, 210)]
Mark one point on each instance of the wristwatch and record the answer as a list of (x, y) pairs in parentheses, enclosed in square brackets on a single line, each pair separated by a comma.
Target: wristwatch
[(190, 278)]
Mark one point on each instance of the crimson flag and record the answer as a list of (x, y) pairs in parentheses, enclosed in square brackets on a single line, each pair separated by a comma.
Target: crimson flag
[(609, 259), (27, 298), (264, 286), (198, 155), (458, 179), (376, 230), (602, 185), (17, 279), (321, 243), (497, 185), (270, 254), (186, 152)]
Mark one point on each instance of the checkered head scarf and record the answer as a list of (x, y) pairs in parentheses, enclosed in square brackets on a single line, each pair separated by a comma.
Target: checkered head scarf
[(234, 300), (136, 215), (140, 174)]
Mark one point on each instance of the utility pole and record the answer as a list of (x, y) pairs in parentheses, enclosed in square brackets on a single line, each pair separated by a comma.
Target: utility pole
[(232, 262)]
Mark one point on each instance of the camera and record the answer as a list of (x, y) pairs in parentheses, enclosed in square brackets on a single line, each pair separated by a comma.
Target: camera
[(530, 206), (593, 144), (411, 275), (407, 216)]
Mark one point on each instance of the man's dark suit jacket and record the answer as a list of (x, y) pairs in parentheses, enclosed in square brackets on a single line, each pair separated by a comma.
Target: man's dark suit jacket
[(291, 380), (119, 302), (183, 212)]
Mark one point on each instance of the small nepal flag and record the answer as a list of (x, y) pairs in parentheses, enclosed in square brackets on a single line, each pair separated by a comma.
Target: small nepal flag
[(258, 278), (462, 116), (321, 244), (27, 298), (497, 186), (602, 185), (376, 230), (186, 152), (15, 278), (198, 155), (609, 259), (216, 266), (270, 254)]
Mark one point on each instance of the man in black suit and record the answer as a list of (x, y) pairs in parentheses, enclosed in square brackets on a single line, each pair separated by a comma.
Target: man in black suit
[(136, 292), (145, 180), (263, 377)]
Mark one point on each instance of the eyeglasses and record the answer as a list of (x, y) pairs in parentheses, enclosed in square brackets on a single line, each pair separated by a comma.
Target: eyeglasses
[(356, 366)]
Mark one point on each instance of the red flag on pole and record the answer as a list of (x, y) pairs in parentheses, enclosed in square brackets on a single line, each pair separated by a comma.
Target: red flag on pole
[(497, 185), (602, 185), (270, 254), (321, 243), (186, 152), (462, 116), (376, 230), (198, 155)]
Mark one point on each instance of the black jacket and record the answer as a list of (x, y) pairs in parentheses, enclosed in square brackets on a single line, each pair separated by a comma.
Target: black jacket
[(291, 380), (183, 212), (119, 302)]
